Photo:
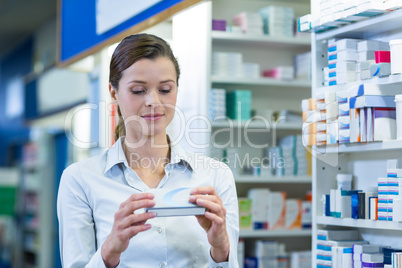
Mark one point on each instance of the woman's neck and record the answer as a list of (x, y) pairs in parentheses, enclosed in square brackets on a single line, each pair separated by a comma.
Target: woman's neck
[(147, 151)]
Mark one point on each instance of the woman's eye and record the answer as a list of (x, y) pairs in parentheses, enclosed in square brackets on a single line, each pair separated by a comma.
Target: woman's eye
[(165, 89), (137, 91)]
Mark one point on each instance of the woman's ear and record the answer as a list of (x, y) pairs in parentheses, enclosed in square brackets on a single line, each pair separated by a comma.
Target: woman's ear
[(113, 95)]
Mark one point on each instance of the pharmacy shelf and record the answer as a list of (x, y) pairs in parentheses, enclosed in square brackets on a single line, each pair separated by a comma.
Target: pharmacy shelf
[(359, 223), (284, 179), (261, 82), (249, 39), (258, 124), (391, 79), (365, 29), (274, 233), (360, 147)]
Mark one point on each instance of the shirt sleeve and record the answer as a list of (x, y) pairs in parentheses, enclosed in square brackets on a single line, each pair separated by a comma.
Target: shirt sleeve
[(226, 189), (76, 225)]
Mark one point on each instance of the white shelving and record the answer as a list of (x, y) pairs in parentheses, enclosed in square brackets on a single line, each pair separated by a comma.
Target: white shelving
[(359, 223), (360, 147), (256, 125), (260, 82), (276, 180), (274, 233), (373, 27), (366, 161), (394, 78), (250, 39)]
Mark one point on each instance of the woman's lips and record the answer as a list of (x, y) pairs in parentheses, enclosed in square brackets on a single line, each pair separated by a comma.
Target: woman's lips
[(153, 117)]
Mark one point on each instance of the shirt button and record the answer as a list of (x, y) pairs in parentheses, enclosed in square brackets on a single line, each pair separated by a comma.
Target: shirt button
[(162, 264), (160, 231)]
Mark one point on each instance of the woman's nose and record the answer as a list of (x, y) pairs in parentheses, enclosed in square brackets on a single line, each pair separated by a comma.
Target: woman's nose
[(152, 98)]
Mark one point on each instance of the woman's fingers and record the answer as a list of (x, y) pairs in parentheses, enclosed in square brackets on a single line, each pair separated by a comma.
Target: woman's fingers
[(212, 198), (215, 218), (211, 206), (134, 230), (137, 197), (135, 219), (206, 190), (130, 207)]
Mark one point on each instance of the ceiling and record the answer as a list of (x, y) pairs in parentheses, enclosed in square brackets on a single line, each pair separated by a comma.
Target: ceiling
[(20, 18)]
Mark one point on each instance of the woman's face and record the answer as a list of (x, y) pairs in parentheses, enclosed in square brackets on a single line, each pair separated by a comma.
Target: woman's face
[(147, 96)]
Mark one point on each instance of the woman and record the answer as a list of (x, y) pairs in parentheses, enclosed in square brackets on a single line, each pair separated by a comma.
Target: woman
[(99, 198)]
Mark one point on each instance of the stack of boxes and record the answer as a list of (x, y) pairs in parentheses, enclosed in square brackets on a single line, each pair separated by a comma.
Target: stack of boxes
[(364, 113), (302, 66), (238, 104), (310, 124), (300, 259), (227, 64), (278, 21), (378, 203), (389, 193), (367, 256), (251, 70), (342, 59), (321, 113), (342, 97), (280, 73), (218, 25), (217, 104), (337, 13), (293, 154), (249, 22), (366, 54), (392, 258), (304, 23), (334, 247), (245, 213), (372, 112), (350, 60), (272, 210), (331, 111), (230, 64)]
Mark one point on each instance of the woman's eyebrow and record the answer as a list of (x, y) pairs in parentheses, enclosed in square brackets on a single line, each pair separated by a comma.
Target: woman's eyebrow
[(137, 81), (166, 81)]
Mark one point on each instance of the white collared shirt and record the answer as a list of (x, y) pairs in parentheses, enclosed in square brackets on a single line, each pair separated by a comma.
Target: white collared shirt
[(92, 190)]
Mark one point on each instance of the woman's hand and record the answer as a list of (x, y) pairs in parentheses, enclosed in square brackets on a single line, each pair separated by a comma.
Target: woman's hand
[(213, 221), (126, 225)]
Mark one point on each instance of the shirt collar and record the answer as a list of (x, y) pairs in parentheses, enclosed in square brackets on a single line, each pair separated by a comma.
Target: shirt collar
[(178, 155), (115, 155)]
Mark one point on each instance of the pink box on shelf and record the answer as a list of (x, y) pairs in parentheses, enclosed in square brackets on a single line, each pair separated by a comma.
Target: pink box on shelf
[(382, 56)]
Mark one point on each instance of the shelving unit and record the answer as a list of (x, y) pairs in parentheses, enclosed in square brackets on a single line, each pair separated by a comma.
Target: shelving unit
[(392, 145), (366, 161), (359, 223), (260, 82), (251, 39), (256, 124), (36, 206), (274, 233), (197, 81), (273, 179)]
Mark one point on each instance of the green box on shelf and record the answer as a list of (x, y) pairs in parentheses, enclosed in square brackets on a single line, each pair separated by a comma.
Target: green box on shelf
[(238, 104), (245, 222), (7, 200), (244, 205)]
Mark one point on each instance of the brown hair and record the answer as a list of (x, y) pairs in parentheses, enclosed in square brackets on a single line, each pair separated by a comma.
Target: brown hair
[(130, 50)]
